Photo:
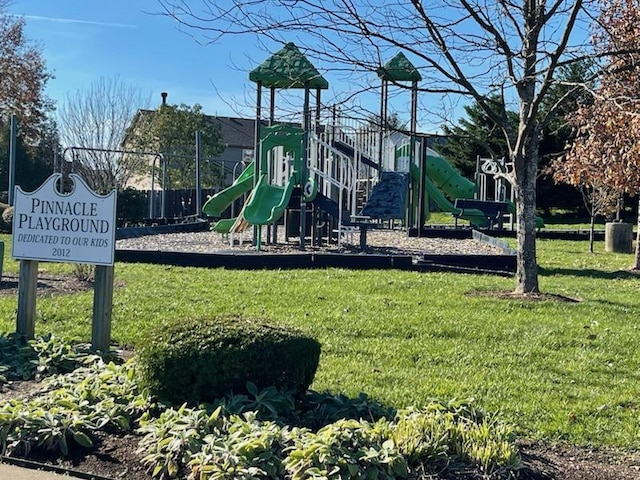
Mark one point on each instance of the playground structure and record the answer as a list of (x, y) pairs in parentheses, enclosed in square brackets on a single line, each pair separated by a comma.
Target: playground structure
[(329, 177)]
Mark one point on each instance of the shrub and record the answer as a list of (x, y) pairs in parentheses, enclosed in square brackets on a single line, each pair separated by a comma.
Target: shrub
[(202, 359), (7, 218), (131, 207)]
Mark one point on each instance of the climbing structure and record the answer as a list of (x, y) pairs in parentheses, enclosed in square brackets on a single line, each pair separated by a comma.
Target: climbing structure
[(323, 177)]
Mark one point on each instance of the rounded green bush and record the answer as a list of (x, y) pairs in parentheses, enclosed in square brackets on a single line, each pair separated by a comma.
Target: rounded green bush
[(202, 359)]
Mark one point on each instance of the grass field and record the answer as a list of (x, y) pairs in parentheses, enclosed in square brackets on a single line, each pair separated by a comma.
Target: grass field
[(557, 370)]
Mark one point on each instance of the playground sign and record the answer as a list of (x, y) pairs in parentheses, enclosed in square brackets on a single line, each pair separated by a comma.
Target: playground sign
[(78, 227)]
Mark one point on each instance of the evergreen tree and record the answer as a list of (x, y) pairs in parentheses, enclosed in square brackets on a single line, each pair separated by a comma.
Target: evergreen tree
[(475, 136)]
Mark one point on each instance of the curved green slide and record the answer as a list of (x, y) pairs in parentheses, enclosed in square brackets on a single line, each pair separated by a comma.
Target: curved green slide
[(446, 178), (474, 216), (221, 200), (268, 202), (224, 225)]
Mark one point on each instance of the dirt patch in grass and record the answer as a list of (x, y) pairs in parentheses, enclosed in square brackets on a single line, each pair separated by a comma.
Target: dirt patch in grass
[(527, 297), (563, 462), (48, 284)]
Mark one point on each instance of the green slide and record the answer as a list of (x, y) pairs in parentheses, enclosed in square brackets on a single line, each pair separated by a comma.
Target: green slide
[(268, 202), (221, 200), (447, 179), (476, 217), (224, 225)]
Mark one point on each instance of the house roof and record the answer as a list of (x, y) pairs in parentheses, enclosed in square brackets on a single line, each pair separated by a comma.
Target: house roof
[(235, 132)]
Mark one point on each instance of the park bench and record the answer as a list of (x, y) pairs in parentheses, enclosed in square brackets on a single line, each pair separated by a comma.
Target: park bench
[(492, 211)]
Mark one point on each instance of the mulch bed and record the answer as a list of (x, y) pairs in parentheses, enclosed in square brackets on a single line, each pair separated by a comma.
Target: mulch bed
[(115, 457), (48, 284)]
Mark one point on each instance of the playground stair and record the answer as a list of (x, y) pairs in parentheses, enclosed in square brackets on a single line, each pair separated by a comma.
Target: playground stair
[(361, 199), (388, 198)]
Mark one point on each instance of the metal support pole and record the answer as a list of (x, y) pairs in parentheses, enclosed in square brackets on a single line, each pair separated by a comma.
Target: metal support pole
[(422, 186), (272, 106), (318, 107), (13, 144), (303, 168), (315, 236), (257, 166), (272, 234), (412, 153), (163, 199), (383, 123), (152, 210), (198, 173)]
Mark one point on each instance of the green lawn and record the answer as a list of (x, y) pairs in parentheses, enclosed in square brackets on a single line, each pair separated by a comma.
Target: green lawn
[(557, 370)]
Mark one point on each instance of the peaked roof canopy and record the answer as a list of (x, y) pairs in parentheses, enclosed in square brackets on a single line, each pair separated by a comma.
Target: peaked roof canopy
[(399, 69), (288, 68)]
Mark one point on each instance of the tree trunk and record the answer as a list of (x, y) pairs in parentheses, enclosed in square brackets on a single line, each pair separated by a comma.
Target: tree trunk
[(636, 265), (526, 175), (592, 228)]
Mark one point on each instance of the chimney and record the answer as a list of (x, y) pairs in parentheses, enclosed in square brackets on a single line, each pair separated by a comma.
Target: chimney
[(164, 98)]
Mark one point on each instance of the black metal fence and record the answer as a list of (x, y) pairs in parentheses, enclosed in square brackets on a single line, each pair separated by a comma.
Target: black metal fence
[(176, 204)]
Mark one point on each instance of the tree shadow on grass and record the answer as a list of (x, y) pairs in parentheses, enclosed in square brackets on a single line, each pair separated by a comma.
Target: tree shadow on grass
[(589, 273)]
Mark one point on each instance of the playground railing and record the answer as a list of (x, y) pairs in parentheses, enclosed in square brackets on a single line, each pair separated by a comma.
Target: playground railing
[(335, 169)]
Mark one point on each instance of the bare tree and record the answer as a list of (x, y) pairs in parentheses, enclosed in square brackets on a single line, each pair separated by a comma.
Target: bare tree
[(96, 120), (475, 49)]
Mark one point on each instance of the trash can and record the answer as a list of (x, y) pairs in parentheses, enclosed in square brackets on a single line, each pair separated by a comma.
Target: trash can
[(618, 237)]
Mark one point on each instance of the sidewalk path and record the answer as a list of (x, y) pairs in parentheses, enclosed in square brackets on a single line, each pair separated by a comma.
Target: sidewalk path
[(11, 472)]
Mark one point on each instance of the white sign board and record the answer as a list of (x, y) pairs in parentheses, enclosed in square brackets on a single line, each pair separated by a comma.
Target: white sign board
[(78, 227)]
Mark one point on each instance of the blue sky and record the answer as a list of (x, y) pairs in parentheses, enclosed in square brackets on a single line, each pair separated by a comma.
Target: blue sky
[(84, 40)]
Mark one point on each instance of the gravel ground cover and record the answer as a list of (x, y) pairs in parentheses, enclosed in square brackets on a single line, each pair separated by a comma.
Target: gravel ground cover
[(385, 242)]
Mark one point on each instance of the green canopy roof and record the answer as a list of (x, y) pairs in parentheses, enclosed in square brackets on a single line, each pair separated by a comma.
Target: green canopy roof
[(399, 69), (288, 68)]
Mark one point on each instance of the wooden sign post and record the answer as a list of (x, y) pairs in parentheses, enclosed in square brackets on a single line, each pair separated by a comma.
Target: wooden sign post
[(78, 227)]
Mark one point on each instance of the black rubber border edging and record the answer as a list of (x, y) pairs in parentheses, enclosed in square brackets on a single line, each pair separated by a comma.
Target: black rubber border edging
[(134, 232), (45, 467), (499, 264), (257, 261)]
